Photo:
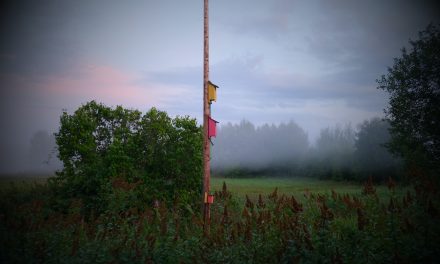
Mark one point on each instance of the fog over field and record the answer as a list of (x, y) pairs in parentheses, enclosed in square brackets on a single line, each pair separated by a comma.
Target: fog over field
[(245, 145), (347, 151), (281, 149)]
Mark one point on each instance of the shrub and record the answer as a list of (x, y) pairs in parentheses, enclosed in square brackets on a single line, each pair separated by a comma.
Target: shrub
[(106, 151)]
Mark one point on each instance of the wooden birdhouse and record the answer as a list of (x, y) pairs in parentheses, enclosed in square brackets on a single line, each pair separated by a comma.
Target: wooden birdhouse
[(212, 92), (209, 198), (212, 129)]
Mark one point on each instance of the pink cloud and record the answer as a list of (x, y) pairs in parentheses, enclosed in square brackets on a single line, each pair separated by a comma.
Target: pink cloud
[(109, 85), (36, 102)]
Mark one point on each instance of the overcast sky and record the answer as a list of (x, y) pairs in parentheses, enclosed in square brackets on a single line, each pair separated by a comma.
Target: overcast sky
[(314, 62)]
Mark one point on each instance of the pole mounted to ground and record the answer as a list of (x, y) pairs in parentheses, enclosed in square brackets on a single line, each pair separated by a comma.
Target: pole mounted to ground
[(206, 115)]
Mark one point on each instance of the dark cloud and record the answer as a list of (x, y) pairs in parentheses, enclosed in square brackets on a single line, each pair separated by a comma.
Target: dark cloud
[(367, 33), (341, 34), (36, 38), (242, 82), (267, 20)]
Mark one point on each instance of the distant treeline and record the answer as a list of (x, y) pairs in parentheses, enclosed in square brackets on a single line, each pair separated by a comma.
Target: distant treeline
[(340, 152)]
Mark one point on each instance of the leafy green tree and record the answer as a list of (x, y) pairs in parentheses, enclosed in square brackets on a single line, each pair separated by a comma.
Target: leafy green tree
[(107, 151), (170, 152), (413, 83)]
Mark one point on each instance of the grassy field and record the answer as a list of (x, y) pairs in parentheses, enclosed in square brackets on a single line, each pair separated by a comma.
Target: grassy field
[(238, 186), (289, 186), (21, 180)]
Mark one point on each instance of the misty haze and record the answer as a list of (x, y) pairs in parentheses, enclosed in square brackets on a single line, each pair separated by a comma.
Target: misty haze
[(339, 152)]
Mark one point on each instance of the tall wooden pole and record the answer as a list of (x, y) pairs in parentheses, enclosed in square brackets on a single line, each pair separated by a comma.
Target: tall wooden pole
[(206, 115)]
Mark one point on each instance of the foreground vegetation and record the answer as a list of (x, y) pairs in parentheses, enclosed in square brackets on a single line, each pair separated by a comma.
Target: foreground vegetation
[(277, 227)]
